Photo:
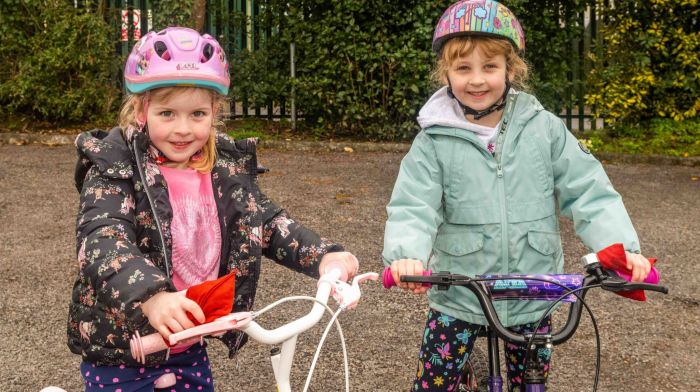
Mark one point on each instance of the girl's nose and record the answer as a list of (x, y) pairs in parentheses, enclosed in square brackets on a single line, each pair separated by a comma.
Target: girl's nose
[(477, 79), (182, 127)]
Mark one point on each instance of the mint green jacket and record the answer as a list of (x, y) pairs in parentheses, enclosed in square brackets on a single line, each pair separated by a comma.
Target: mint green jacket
[(459, 208)]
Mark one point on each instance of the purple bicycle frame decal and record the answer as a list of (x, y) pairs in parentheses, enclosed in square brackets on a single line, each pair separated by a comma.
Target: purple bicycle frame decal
[(522, 287)]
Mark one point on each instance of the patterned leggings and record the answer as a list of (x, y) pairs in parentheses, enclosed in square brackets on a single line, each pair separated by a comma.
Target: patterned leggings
[(447, 343)]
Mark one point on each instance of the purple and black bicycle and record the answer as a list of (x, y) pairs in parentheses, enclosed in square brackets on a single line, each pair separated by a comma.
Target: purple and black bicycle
[(555, 288)]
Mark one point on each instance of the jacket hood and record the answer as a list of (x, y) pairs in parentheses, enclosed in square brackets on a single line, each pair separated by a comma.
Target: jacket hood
[(105, 149), (444, 111)]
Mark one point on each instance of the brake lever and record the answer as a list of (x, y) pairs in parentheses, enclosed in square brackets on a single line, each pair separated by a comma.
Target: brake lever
[(443, 280), (615, 283), (348, 295)]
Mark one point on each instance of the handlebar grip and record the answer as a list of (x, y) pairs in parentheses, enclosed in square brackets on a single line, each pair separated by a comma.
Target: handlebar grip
[(144, 345), (652, 278), (388, 279)]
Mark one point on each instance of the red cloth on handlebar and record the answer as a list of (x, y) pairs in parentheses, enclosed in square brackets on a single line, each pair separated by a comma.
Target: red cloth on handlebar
[(215, 297), (614, 258)]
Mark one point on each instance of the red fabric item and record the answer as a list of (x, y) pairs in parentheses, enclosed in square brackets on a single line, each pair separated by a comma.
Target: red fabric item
[(215, 297), (614, 258)]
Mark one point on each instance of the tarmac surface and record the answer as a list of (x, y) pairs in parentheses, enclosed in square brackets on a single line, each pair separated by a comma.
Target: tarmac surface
[(650, 346)]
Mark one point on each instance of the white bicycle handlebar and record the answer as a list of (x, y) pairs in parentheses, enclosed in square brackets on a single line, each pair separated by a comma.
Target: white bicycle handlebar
[(347, 296)]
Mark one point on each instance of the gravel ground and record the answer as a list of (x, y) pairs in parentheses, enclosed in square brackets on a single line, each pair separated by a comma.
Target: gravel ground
[(648, 346)]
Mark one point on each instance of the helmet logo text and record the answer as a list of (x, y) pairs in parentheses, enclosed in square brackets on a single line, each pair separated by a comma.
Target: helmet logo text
[(187, 67)]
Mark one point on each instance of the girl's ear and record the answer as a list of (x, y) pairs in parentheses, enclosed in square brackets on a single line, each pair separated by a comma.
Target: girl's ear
[(510, 73), (141, 112)]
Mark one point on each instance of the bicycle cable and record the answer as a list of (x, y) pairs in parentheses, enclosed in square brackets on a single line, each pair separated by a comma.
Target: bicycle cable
[(593, 321), (318, 353), (551, 307), (333, 320)]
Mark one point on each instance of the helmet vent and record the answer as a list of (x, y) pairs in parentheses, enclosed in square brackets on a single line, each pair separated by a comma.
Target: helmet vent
[(207, 53), (161, 50)]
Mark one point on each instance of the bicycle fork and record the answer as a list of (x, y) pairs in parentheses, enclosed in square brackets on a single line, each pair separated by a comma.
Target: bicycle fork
[(533, 379), (495, 381)]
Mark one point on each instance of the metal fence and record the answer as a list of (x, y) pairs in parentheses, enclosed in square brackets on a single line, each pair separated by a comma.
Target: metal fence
[(136, 17)]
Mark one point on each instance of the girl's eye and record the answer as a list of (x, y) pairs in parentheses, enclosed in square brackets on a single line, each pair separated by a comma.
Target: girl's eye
[(199, 113), (491, 66), (166, 113)]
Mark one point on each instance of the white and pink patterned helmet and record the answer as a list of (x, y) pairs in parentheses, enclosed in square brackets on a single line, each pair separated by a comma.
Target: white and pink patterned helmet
[(176, 56), (478, 17)]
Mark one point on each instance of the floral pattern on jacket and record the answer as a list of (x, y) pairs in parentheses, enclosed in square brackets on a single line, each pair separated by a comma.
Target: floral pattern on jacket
[(124, 241)]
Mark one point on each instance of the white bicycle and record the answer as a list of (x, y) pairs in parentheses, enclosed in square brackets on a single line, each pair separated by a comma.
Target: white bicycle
[(347, 296)]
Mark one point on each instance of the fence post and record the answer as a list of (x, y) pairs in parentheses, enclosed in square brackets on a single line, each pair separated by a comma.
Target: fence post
[(293, 75)]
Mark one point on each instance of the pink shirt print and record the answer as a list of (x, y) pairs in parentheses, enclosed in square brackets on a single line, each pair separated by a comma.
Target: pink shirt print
[(195, 227)]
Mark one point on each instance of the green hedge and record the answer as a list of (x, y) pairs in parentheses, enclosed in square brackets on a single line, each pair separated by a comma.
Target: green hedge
[(650, 66), (363, 67), (57, 62)]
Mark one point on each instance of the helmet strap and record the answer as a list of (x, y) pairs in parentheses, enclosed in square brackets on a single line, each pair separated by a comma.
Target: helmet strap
[(478, 114)]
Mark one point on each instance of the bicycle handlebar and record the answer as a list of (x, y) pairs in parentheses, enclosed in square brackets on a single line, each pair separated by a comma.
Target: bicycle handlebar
[(607, 280), (347, 296)]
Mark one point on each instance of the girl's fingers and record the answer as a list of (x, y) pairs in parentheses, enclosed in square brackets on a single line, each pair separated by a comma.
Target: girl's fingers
[(163, 330), (174, 326), (396, 273), (420, 290), (418, 271), (409, 267), (184, 321), (194, 309)]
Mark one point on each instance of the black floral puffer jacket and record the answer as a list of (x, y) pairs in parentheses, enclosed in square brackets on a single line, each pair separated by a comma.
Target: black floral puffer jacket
[(124, 240)]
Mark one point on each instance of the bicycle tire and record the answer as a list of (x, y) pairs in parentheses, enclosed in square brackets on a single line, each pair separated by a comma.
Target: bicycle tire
[(475, 372)]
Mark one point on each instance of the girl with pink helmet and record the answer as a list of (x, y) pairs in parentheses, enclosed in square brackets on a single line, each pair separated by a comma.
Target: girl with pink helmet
[(167, 202), (479, 190)]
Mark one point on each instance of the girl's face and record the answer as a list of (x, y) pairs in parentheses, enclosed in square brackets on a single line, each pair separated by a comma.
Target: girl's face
[(478, 81), (180, 126)]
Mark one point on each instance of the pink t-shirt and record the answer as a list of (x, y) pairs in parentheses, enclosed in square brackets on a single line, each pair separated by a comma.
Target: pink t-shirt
[(195, 227)]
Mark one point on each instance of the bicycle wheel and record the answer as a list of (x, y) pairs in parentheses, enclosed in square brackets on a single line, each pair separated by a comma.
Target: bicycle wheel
[(475, 372)]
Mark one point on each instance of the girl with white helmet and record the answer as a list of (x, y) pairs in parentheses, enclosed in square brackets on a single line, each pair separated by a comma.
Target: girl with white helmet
[(479, 190), (166, 203)]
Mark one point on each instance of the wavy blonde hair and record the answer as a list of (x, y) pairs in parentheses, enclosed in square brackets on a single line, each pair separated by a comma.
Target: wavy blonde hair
[(458, 47), (134, 104)]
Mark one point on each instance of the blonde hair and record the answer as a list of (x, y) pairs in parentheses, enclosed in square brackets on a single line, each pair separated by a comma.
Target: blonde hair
[(134, 104), (457, 47)]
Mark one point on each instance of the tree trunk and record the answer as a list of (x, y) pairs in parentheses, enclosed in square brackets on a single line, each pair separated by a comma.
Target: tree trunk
[(198, 14)]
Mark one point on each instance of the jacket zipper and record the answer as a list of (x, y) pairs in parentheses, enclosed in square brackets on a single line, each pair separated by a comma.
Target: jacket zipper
[(501, 181), (153, 208)]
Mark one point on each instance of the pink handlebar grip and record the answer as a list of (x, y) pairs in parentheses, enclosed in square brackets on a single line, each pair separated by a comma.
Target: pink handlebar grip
[(388, 279), (144, 345), (652, 278)]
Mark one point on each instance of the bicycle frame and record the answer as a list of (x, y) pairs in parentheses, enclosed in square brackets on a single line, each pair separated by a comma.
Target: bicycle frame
[(286, 335)]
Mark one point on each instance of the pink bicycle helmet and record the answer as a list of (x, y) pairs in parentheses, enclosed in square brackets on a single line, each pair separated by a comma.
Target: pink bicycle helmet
[(478, 17), (176, 56)]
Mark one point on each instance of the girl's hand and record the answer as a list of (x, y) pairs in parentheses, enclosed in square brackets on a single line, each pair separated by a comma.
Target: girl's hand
[(408, 267), (638, 265), (167, 312), (346, 261)]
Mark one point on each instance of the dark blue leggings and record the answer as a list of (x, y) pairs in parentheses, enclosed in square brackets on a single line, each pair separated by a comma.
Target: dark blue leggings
[(447, 344), (191, 368)]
